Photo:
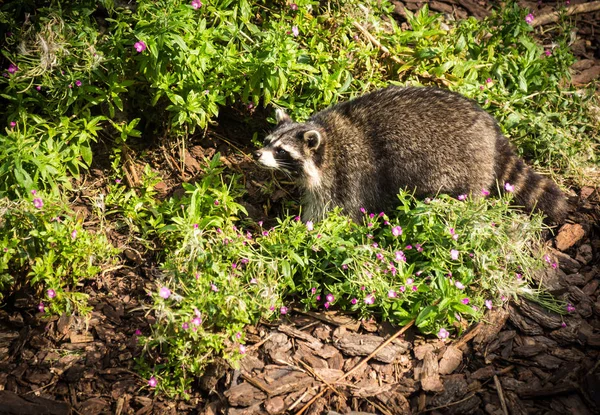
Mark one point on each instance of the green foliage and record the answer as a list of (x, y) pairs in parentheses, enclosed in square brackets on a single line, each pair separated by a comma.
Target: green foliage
[(43, 246), (80, 72), (441, 262)]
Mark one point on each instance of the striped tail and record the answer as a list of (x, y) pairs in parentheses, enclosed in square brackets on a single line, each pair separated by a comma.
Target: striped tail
[(532, 190)]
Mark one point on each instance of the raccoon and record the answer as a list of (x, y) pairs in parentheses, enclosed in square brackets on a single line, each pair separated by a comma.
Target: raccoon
[(360, 153)]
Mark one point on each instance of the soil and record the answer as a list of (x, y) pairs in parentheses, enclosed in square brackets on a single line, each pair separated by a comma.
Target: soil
[(522, 359)]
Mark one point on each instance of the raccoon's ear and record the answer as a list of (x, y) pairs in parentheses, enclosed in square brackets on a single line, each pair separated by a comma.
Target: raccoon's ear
[(281, 117), (313, 139)]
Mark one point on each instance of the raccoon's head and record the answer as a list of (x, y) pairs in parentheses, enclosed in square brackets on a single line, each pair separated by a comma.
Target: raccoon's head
[(292, 147)]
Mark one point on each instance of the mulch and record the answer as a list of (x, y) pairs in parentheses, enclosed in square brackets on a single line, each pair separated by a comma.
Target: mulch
[(523, 359)]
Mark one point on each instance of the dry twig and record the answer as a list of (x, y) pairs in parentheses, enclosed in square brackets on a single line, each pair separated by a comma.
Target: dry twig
[(361, 363), (571, 10)]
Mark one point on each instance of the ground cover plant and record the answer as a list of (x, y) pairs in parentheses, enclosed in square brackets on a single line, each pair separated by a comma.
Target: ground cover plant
[(79, 73)]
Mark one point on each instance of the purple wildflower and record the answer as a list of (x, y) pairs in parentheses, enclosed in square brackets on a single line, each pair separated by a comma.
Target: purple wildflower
[(529, 18), (12, 68), (196, 4), (164, 292), (152, 382), (396, 231), (489, 304), (283, 310), (140, 46), (443, 333), (51, 293), (454, 254), (38, 203)]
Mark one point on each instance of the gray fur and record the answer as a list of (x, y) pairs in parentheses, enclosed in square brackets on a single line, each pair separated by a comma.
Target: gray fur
[(361, 152)]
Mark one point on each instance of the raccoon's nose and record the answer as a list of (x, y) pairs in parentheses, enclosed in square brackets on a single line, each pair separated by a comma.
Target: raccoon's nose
[(257, 154)]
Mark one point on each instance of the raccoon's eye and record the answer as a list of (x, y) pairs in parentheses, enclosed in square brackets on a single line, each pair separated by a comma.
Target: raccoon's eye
[(280, 152)]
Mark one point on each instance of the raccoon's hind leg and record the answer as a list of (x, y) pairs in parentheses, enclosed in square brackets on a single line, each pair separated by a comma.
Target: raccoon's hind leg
[(532, 190)]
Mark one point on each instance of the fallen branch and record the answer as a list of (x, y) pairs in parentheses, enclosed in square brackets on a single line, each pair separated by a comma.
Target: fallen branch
[(377, 44), (500, 395), (569, 11)]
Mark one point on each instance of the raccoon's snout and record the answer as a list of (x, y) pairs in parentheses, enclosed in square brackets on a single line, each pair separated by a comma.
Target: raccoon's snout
[(257, 154)]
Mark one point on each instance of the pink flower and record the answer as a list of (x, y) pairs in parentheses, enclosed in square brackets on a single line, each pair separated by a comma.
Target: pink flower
[(309, 225), (396, 231), (485, 192), (409, 281), (462, 197), (509, 187), (41, 307), (459, 285), (344, 266), (548, 52), (363, 210), (313, 290), (418, 248), (13, 124), (78, 83), (454, 254), (242, 349), (443, 333), (140, 46), (529, 18), (402, 288), (330, 298), (353, 301), (369, 225), (295, 31), (400, 257), (371, 215), (326, 305), (379, 256), (238, 335), (283, 310), (392, 294), (488, 81), (253, 281), (74, 234), (465, 301), (415, 288), (164, 292), (216, 203), (196, 4), (152, 382), (38, 203), (214, 287), (369, 299), (51, 293), (197, 321), (570, 308), (12, 68), (297, 219), (185, 326), (489, 304), (265, 233), (294, 7)]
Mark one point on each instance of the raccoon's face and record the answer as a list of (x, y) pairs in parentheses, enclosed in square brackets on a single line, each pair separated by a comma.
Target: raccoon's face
[(291, 147)]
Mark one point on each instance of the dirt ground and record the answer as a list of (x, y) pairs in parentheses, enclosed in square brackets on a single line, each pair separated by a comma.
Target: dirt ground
[(521, 360)]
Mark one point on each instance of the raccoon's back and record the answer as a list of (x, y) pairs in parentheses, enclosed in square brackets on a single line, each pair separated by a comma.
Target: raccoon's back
[(426, 139)]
